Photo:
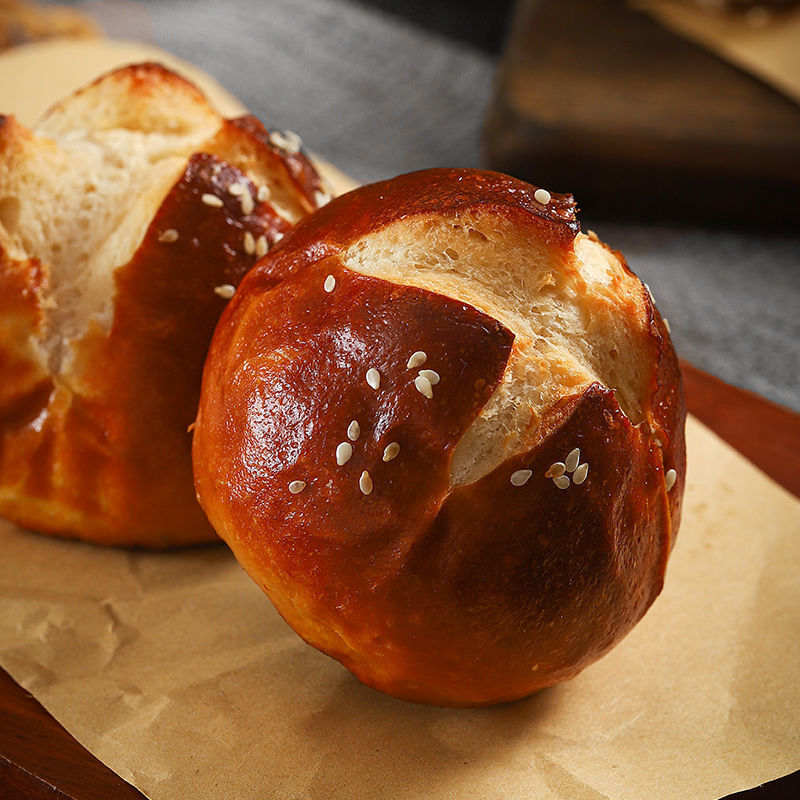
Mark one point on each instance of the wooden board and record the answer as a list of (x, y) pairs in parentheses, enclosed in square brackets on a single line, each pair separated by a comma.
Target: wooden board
[(599, 100)]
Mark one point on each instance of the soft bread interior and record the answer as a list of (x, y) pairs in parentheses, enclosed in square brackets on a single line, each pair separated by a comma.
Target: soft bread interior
[(577, 315), (80, 192), (85, 186)]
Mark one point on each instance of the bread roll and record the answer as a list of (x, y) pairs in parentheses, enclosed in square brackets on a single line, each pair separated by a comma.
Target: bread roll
[(444, 431), (127, 216)]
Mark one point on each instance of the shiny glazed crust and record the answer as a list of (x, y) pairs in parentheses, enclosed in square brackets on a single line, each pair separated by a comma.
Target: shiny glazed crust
[(431, 591), (100, 450)]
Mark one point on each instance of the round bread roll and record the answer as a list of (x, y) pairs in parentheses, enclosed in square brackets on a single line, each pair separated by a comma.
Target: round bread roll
[(444, 431), (128, 215)]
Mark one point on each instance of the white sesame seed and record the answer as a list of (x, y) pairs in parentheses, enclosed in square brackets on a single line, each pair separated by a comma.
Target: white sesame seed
[(330, 283), (670, 478), (216, 169), (261, 246), (225, 291), (353, 431), (650, 292), (169, 235), (295, 487), (424, 386), (562, 481), (557, 468), (286, 140), (343, 453), (391, 451), (666, 325), (417, 359), (365, 483), (263, 194), (572, 460), (247, 203), (431, 375), (542, 196), (236, 189), (249, 243), (321, 198), (212, 200), (580, 474), (277, 237), (520, 477), (373, 378)]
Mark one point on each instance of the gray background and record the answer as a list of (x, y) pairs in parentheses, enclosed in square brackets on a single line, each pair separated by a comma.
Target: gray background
[(379, 95)]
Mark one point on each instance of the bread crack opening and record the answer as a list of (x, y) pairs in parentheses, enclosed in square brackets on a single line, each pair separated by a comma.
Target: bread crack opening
[(576, 313)]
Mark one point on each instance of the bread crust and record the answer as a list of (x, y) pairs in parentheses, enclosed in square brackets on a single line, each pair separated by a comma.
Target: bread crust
[(452, 595), (100, 450)]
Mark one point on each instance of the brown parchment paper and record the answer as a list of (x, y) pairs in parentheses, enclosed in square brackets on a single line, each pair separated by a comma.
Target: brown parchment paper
[(762, 43), (174, 670)]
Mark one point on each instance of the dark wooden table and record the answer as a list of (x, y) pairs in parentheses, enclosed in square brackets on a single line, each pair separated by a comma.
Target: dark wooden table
[(39, 760)]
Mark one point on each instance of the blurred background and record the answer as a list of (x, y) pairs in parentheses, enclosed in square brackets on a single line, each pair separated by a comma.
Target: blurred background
[(675, 124)]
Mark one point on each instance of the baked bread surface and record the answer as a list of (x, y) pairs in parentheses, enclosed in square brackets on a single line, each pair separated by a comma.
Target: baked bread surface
[(488, 527), (120, 214)]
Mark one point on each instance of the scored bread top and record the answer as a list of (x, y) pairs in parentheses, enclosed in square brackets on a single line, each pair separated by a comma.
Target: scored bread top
[(127, 217), (81, 189), (579, 316)]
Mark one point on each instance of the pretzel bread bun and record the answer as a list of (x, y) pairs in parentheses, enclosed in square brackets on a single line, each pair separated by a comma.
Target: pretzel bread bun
[(444, 431), (121, 213)]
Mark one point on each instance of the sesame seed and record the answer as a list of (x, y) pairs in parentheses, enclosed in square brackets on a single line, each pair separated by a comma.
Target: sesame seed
[(353, 431), (670, 478), (453, 254), (572, 460), (365, 483), (424, 386), (321, 198), (520, 477), (225, 291), (330, 283), (277, 237), (542, 196), (249, 243), (295, 487), (263, 194), (562, 481), (236, 189), (391, 451), (286, 140), (216, 169), (650, 292), (431, 375), (557, 468), (373, 378), (212, 200), (169, 235), (261, 246), (666, 325), (247, 203), (343, 453), (580, 474), (417, 359)]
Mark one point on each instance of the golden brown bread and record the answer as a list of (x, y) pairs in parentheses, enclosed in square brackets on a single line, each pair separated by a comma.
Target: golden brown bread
[(125, 218), (444, 432)]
